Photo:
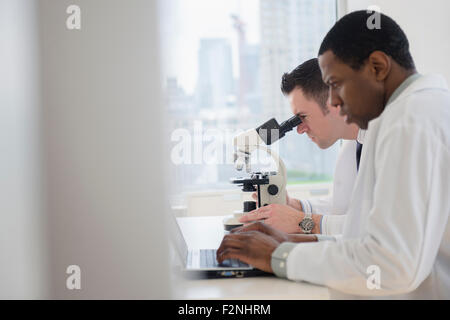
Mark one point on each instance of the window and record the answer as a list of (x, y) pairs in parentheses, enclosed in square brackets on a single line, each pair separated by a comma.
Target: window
[(222, 68)]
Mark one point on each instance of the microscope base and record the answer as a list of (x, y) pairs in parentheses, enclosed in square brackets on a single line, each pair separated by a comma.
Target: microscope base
[(231, 222)]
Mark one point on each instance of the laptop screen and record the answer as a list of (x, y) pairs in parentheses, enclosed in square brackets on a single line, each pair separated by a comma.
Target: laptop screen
[(177, 238)]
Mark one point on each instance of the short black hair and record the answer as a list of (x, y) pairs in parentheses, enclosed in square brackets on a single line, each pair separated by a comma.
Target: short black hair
[(307, 77), (352, 41)]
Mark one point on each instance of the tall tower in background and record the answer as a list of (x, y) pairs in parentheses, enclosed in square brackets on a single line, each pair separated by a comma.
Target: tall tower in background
[(249, 70), (309, 22), (275, 52), (215, 87), (239, 26), (291, 32)]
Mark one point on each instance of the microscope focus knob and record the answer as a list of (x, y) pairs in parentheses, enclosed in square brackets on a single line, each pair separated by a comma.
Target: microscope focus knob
[(272, 189), (249, 206)]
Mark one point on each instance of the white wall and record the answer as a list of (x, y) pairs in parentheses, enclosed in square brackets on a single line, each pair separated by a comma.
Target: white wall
[(23, 268), (427, 26)]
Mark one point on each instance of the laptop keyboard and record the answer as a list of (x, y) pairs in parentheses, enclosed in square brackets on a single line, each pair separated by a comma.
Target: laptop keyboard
[(208, 260)]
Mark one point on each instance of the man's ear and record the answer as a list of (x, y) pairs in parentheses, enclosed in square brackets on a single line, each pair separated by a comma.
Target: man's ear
[(333, 109), (380, 65), (336, 112)]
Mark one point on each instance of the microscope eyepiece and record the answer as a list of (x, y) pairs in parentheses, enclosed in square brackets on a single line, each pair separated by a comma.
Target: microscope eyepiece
[(271, 131), (291, 123)]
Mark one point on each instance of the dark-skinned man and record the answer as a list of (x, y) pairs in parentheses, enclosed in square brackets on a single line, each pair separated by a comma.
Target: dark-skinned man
[(396, 237)]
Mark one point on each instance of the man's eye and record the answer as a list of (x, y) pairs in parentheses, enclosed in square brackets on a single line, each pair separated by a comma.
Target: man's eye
[(334, 85)]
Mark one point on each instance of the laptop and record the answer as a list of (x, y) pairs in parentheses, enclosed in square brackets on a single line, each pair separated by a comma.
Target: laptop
[(202, 263)]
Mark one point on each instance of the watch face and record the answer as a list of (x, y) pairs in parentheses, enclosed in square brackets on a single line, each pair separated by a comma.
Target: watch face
[(307, 225)]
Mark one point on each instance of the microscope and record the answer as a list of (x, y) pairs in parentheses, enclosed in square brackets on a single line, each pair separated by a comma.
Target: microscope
[(269, 186)]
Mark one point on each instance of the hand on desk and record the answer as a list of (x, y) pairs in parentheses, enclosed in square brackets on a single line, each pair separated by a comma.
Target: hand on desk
[(255, 243), (281, 217)]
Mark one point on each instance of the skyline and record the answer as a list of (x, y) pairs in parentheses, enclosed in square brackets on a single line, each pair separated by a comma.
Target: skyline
[(185, 25)]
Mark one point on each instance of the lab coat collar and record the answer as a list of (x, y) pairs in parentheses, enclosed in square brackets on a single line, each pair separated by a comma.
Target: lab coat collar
[(420, 82), (402, 87), (361, 135)]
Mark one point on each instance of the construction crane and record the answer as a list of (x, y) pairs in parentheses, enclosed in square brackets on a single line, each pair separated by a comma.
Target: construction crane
[(239, 26)]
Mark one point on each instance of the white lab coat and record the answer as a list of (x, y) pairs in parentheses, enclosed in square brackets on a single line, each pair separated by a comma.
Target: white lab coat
[(398, 217), (335, 206), (343, 182)]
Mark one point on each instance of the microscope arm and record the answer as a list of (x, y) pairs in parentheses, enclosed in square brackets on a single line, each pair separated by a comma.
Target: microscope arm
[(275, 191), (245, 144)]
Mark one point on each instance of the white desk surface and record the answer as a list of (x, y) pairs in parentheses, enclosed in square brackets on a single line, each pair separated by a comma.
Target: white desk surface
[(207, 233)]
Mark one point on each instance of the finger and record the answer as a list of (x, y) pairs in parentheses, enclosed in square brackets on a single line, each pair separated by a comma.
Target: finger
[(236, 236), (254, 196), (231, 253), (237, 229), (226, 248), (267, 222), (259, 214), (254, 226), (263, 226), (233, 239), (229, 243)]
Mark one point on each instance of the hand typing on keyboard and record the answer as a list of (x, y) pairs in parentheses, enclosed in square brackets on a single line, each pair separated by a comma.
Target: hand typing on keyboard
[(249, 245), (208, 260)]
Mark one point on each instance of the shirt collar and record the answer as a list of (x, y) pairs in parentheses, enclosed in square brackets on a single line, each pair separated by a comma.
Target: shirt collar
[(361, 135)]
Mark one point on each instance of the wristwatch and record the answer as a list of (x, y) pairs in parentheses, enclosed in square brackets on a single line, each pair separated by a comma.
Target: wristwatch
[(307, 224)]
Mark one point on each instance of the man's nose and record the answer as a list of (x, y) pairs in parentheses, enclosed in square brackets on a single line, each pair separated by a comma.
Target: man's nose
[(301, 128), (334, 99)]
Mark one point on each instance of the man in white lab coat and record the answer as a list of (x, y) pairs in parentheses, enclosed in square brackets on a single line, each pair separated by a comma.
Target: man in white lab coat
[(396, 239), (308, 98)]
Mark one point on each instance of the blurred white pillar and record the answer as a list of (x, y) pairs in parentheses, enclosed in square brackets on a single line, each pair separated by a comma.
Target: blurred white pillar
[(86, 102), (23, 250), (104, 158)]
